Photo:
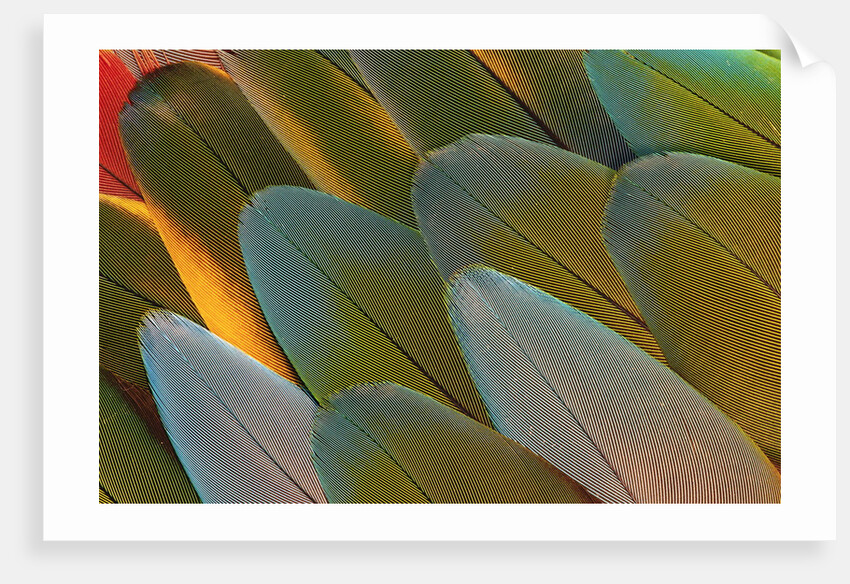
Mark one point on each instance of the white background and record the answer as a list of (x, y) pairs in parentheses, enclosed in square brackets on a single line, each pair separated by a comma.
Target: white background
[(130, 562)]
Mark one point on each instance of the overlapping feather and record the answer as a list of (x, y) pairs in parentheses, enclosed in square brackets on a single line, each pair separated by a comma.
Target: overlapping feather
[(241, 431), (437, 97), (342, 138), (697, 242), (532, 211), (615, 420), (554, 85), (199, 151), (343, 61), (133, 255), (140, 63), (134, 466), (120, 312), (136, 275), (115, 176), (723, 104), (388, 444), (352, 297)]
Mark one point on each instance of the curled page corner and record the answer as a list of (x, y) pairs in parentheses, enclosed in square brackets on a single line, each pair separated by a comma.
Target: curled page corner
[(791, 45), (804, 55)]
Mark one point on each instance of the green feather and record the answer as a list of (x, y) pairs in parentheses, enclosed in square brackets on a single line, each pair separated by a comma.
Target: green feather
[(697, 241), (532, 211), (333, 127), (615, 420), (121, 312), (436, 97), (388, 444), (724, 104), (554, 85), (132, 255), (352, 297), (343, 61)]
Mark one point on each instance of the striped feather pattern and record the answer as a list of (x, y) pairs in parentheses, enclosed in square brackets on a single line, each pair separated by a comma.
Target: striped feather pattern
[(554, 85), (136, 275), (132, 254), (352, 297), (743, 84), (437, 96), (618, 422), (199, 151), (128, 241), (104, 497), (138, 62), (134, 467), (388, 444), (697, 241), (142, 62), (650, 375), (241, 431), (121, 313), (530, 210), (115, 176), (338, 133), (723, 104), (354, 468)]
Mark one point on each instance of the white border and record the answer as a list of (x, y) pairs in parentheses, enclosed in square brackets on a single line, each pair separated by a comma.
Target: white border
[(71, 511)]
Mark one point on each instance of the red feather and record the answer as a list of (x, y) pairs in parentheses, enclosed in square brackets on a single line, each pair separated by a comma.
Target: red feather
[(116, 81)]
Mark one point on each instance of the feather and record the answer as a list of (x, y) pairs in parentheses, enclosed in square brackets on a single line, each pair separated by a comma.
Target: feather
[(618, 422), (199, 151), (132, 255), (717, 103), (697, 241), (554, 85), (134, 467), (436, 97), (352, 297), (138, 62), (116, 178), (688, 253), (241, 431), (532, 211), (142, 62), (136, 275), (344, 141), (121, 313), (388, 444)]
